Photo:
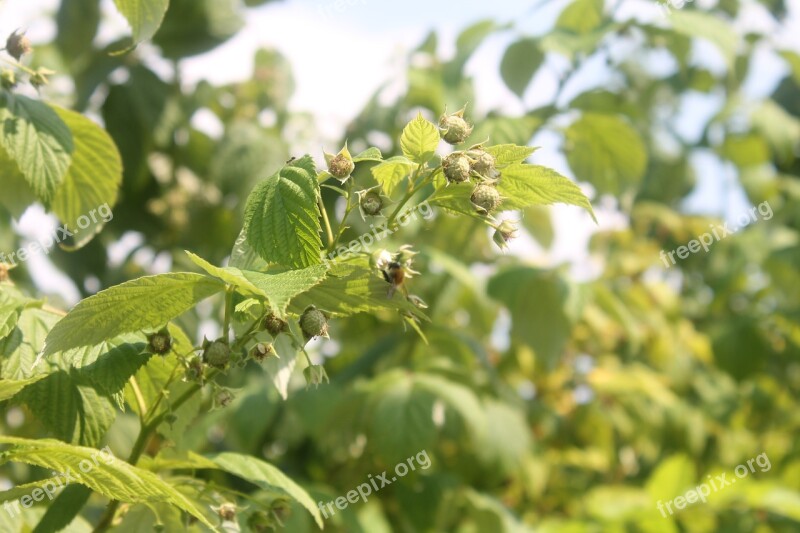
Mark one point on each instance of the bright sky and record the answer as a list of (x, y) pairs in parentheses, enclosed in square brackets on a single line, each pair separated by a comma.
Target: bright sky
[(368, 40)]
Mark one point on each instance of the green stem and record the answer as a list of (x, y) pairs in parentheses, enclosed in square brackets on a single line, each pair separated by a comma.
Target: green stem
[(327, 222), (413, 187), (347, 211)]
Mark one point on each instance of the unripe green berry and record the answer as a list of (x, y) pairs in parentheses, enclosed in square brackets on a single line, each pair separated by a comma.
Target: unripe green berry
[(455, 130), (341, 166), (484, 164), (159, 343), (8, 78), (371, 203), (217, 354), (275, 325), (485, 198), (456, 167), (314, 323)]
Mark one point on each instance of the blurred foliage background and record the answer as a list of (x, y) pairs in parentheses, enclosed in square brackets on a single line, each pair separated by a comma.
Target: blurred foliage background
[(546, 403)]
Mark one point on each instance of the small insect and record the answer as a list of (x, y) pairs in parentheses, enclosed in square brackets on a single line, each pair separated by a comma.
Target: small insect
[(396, 269), (291, 160)]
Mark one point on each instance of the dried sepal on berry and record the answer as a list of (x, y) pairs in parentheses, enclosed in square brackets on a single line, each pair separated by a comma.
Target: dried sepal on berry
[(370, 202), (223, 398), (504, 233), (454, 129), (341, 165), (18, 44), (315, 375), (262, 351), (41, 77), (160, 342)]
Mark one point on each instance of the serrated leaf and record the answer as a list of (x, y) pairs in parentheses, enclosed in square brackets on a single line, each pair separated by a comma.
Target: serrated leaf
[(10, 309), (21, 347), (606, 151), (9, 388), (456, 198), (520, 62), (108, 476), (232, 276), (282, 218), (140, 304), (508, 154), (144, 16), (92, 181), (352, 287), (34, 136), (419, 140), (281, 287), (391, 173), (267, 477), (370, 154), (527, 185)]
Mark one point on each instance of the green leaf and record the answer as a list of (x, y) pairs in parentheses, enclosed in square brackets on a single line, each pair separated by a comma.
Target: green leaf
[(606, 151), (140, 304), (21, 347), (281, 368), (536, 300), (370, 154), (10, 308), (793, 59), (527, 185), (280, 288), (352, 287), (419, 140), (695, 23), (9, 388), (581, 16), (745, 150), (83, 201), (282, 218), (780, 129), (144, 16), (230, 275), (391, 173), (508, 154), (506, 130), (36, 138), (267, 477), (671, 477), (520, 62), (104, 474)]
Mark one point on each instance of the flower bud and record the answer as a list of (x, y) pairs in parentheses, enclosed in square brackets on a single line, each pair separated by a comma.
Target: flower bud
[(314, 323), (194, 370), (455, 130), (485, 198), (216, 354), (315, 375), (40, 77), (160, 342), (274, 325), (259, 522), (506, 231), (456, 167), (17, 45)]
